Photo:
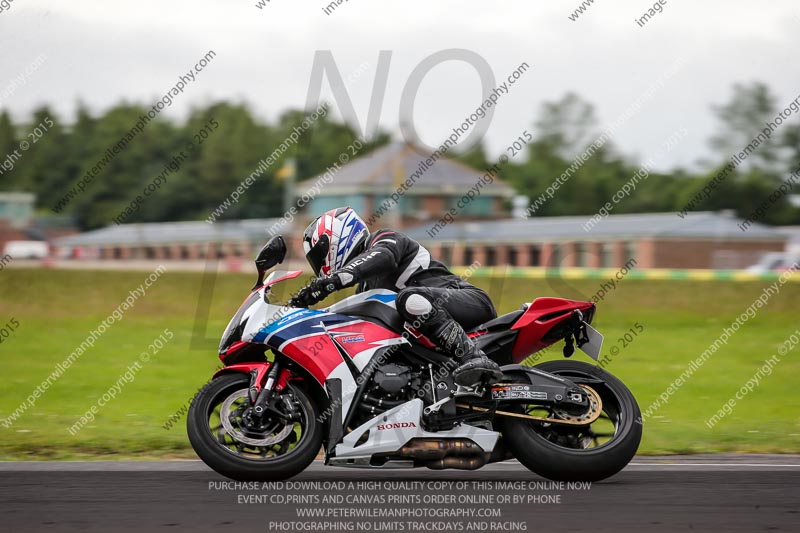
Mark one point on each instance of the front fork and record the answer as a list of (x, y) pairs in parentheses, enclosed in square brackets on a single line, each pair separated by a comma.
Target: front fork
[(273, 378)]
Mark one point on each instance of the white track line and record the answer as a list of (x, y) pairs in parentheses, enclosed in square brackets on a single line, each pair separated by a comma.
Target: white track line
[(712, 464)]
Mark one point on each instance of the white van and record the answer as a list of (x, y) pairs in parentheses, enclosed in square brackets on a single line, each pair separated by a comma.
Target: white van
[(27, 249), (775, 262)]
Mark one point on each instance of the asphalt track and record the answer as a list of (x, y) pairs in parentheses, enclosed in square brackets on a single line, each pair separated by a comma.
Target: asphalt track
[(697, 493)]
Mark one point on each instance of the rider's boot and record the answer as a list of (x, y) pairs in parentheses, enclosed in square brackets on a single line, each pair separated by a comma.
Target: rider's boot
[(475, 366)]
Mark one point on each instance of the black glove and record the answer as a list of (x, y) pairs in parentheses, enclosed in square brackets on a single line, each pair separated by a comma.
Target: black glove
[(317, 290)]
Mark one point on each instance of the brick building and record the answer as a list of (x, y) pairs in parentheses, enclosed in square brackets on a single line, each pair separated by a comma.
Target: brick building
[(168, 241), (703, 240)]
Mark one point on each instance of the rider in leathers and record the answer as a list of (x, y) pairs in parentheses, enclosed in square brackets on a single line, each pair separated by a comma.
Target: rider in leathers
[(343, 253)]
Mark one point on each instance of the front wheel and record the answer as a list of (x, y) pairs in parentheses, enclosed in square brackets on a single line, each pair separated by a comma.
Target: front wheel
[(578, 453), (227, 437)]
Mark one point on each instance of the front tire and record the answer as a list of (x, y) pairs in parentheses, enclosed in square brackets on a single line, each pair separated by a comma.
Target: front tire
[(279, 452), (565, 453)]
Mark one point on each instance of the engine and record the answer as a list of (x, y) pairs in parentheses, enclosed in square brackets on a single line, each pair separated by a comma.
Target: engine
[(393, 380), (392, 385)]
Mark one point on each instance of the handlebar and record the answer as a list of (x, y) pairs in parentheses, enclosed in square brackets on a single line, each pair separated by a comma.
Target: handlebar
[(293, 303), (317, 295)]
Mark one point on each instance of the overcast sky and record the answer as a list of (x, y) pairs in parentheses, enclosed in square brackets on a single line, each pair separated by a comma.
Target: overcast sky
[(103, 52)]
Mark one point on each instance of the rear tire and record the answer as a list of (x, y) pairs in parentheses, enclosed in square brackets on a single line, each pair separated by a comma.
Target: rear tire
[(533, 443), (205, 437)]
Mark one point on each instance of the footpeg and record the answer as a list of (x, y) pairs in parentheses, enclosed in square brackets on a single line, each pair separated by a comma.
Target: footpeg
[(476, 389)]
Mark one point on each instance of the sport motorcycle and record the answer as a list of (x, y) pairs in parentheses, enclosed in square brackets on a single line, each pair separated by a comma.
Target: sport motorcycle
[(356, 383)]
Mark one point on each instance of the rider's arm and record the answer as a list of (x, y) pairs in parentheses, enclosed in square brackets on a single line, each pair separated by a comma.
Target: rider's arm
[(383, 256)]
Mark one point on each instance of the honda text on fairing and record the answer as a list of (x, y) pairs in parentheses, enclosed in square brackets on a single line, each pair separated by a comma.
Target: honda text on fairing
[(362, 384)]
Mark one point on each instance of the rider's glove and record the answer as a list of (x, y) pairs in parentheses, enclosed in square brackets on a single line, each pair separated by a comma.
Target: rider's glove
[(317, 290)]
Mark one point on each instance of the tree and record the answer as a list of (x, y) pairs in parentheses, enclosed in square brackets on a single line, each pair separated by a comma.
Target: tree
[(790, 141), (567, 125), (475, 157), (742, 119), (205, 158), (41, 167), (8, 144), (125, 171)]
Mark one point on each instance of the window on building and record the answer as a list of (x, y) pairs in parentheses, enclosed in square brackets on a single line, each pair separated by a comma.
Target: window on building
[(480, 207), (410, 205), (581, 259), (535, 252), (607, 255), (555, 256), (469, 255), (446, 254), (513, 256), (321, 204), (630, 252), (491, 256)]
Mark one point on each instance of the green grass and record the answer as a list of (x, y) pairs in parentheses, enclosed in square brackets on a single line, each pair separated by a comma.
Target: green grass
[(57, 309)]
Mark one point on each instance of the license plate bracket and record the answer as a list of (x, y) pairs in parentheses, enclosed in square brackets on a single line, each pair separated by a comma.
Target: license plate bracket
[(593, 341)]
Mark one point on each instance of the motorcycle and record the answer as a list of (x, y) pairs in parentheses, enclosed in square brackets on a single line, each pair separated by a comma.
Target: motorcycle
[(368, 389)]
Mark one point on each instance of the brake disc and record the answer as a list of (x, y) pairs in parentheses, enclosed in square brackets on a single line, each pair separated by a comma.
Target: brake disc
[(592, 414), (224, 415)]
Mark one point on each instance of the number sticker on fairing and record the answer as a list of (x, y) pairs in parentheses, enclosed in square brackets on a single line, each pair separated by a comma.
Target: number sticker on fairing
[(517, 392)]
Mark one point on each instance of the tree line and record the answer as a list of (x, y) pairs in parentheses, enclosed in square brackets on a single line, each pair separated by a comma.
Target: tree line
[(213, 163)]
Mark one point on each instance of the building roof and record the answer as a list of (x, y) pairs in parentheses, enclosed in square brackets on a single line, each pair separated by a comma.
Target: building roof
[(20, 197), (697, 225), (160, 233), (384, 169)]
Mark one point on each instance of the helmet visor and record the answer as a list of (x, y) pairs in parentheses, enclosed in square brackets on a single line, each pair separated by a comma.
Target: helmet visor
[(317, 255)]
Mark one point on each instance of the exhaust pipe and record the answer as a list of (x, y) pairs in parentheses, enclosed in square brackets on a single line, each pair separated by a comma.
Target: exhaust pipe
[(460, 463), (436, 454)]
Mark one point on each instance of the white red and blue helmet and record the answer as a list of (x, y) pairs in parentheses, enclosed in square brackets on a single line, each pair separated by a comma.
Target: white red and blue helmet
[(333, 239)]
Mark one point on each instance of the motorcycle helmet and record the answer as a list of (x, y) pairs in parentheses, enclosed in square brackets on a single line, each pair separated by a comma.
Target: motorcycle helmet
[(334, 238)]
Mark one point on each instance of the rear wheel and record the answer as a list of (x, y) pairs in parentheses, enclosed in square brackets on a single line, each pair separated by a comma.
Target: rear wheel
[(588, 452), (227, 437)]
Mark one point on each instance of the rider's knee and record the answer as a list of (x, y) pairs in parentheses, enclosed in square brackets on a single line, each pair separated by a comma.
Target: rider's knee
[(414, 302)]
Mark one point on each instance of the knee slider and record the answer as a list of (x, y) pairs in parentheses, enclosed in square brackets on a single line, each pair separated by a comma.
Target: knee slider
[(417, 305)]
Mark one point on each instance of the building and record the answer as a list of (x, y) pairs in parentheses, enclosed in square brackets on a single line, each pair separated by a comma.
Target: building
[(16, 209), (19, 223), (169, 240), (371, 183), (703, 240), (16, 214)]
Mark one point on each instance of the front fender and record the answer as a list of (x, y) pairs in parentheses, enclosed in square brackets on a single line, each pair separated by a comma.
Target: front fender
[(260, 369), (244, 368)]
